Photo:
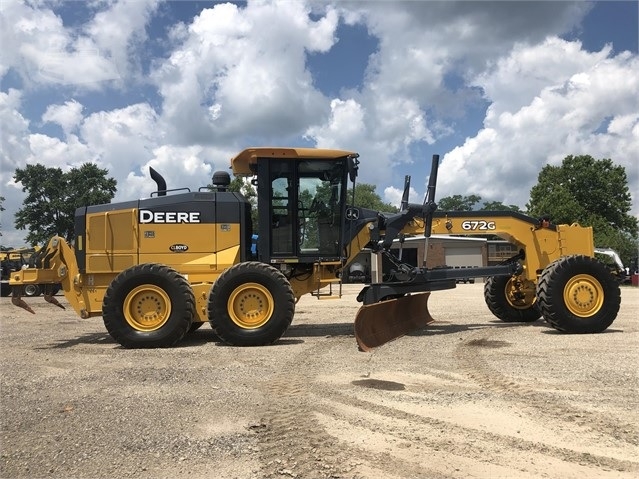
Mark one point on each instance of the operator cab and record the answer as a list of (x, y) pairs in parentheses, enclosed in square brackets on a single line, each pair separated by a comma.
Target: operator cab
[(302, 219), (301, 201)]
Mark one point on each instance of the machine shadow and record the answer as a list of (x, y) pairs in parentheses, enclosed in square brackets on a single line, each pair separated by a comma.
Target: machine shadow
[(446, 327), (89, 338), (296, 333), (560, 333)]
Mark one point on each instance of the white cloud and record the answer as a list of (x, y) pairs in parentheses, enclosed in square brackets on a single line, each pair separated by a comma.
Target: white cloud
[(422, 42), (116, 30), (394, 195), (380, 134), (68, 115), (406, 97), (55, 153), (515, 80), (567, 115), (37, 45), (345, 123), (241, 71), (15, 130)]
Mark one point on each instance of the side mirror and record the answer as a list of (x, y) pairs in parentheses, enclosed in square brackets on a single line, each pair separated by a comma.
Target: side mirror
[(352, 167)]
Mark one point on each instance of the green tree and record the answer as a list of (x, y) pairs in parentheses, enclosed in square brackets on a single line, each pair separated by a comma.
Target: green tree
[(458, 203), (367, 197), (53, 196), (592, 193), (499, 206)]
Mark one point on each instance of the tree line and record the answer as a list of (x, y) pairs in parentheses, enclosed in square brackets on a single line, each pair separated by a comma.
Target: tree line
[(582, 189)]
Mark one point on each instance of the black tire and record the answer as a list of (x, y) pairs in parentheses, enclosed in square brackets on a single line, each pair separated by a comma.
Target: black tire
[(251, 304), (511, 302), (31, 290), (5, 290), (577, 294), (148, 306)]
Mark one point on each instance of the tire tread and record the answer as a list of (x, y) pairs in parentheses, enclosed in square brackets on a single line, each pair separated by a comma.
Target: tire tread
[(551, 301), (182, 296), (283, 298)]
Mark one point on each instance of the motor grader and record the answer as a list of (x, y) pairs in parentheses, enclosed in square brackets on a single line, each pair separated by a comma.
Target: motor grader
[(159, 267)]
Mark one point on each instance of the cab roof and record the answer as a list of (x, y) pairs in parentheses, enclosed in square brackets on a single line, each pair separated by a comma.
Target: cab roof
[(245, 162)]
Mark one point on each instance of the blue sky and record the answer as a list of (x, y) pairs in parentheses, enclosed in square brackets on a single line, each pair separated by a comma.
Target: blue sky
[(498, 89)]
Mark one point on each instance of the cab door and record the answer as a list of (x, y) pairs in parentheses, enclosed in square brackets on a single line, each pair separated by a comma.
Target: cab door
[(301, 209)]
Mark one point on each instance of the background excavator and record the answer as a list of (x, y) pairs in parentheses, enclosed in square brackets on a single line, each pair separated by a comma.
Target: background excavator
[(157, 268)]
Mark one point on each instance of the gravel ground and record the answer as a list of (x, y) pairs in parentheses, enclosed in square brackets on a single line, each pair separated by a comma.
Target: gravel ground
[(469, 396)]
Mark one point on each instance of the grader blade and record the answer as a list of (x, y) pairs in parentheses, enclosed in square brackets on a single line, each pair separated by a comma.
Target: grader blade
[(379, 323)]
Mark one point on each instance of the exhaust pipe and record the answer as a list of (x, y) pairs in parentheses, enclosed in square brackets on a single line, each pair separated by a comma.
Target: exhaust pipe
[(159, 180)]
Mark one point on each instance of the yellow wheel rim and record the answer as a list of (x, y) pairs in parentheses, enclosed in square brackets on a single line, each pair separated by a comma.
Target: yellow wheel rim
[(250, 306), (147, 308), (520, 294), (583, 295)]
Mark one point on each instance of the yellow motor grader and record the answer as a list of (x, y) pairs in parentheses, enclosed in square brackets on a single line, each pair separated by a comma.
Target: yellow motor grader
[(159, 267)]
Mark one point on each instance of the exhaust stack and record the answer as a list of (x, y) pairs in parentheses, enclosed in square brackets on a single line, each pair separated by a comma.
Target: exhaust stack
[(159, 180)]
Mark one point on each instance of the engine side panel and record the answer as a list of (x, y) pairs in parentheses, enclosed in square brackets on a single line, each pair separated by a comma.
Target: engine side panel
[(185, 231)]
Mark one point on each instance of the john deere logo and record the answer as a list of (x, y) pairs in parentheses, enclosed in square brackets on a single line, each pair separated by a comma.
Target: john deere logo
[(178, 248)]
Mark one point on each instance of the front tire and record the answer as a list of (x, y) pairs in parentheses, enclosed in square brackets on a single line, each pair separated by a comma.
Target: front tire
[(148, 306), (512, 300), (578, 294), (251, 304)]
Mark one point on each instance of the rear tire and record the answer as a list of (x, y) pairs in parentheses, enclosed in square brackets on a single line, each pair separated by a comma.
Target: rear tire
[(251, 304), (509, 303), (578, 294), (148, 306)]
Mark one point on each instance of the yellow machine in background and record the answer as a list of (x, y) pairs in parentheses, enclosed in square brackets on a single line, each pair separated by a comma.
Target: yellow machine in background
[(14, 259), (159, 267)]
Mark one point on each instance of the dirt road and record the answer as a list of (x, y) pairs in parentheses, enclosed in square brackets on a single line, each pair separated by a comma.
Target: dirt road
[(468, 397)]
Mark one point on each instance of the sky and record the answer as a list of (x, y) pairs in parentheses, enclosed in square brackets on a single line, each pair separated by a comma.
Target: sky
[(497, 89)]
